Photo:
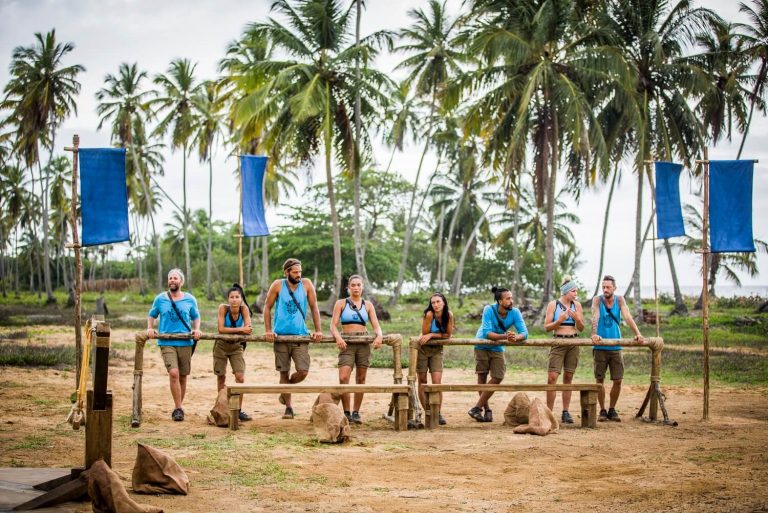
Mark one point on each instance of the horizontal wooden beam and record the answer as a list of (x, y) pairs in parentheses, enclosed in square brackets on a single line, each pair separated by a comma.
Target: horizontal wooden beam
[(503, 387), (350, 339), (653, 343), (245, 388)]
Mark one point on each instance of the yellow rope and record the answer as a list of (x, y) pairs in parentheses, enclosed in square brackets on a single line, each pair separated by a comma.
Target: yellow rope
[(76, 416)]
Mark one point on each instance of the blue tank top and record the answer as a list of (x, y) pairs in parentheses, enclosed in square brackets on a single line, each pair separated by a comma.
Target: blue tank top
[(434, 328), (607, 327), (351, 316), (289, 319), (559, 307), (238, 322)]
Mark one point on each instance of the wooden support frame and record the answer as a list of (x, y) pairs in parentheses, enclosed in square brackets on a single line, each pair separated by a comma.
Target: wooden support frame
[(393, 340)]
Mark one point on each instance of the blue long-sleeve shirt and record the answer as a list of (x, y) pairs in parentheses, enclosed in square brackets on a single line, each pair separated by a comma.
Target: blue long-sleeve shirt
[(490, 324)]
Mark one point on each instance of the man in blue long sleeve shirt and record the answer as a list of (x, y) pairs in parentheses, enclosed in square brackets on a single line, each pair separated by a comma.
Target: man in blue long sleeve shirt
[(497, 323)]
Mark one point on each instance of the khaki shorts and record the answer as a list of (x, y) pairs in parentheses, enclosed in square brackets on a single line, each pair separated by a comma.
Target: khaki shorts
[(563, 357), (430, 359), (287, 351), (223, 351), (356, 355), (492, 361), (613, 360), (177, 357)]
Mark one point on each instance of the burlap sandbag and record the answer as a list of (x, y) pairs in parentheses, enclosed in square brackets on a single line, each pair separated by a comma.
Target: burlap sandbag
[(330, 423), (108, 493), (219, 415), (541, 421), (324, 398), (517, 410), (156, 472)]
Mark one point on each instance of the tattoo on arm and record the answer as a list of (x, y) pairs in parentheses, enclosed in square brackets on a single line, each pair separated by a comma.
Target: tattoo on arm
[(595, 316)]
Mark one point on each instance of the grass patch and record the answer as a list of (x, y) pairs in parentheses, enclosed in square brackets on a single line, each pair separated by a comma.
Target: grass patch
[(35, 355), (34, 442)]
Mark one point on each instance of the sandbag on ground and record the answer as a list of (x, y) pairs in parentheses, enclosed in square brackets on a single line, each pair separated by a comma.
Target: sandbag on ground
[(157, 472), (108, 493), (517, 410), (541, 420)]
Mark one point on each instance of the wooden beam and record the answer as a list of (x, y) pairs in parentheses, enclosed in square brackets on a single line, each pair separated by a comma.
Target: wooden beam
[(245, 388), (503, 387)]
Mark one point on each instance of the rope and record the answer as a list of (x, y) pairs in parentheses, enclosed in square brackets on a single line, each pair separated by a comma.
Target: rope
[(76, 416)]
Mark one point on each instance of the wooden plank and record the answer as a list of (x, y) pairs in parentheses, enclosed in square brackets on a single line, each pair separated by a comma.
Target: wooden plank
[(402, 412), (98, 431), (244, 388), (502, 387), (588, 408), (69, 491), (653, 343), (234, 410), (434, 410), (101, 367)]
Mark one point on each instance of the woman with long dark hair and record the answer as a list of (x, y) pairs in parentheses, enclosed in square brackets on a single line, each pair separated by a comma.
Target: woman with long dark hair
[(234, 319), (437, 323)]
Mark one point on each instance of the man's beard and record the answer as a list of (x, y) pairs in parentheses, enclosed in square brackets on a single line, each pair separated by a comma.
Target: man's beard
[(173, 287), (293, 280), (608, 296)]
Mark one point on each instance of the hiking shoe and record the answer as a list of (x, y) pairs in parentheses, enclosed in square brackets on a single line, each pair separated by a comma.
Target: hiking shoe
[(355, 418), (178, 415), (244, 417), (613, 415), (488, 416), (477, 414), (603, 416), (566, 418), (288, 415), (348, 416), (441, 420), (281, 399)]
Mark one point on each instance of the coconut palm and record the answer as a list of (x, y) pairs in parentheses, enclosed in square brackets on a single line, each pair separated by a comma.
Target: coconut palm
[(174, 105), (61, 209), (756, 37), (41, 95), (307, 101), (124, 102)]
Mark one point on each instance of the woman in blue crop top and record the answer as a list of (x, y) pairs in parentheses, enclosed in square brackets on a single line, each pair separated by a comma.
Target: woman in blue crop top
[(354, 313), (234, 319), (436, 324)]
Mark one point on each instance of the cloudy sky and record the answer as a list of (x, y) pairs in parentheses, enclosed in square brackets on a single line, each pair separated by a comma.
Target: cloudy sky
[(109, 32)]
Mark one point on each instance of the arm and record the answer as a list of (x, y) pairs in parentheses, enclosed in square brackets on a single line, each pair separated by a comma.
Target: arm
[(245, 329), (554, 323), (194, 314), (628, 316), (269, 302), (579, 317), (489, 325), (312, 300), (595, 318), (150, 326), (375, 324), (426, 326), (522, 330), (337, 308)]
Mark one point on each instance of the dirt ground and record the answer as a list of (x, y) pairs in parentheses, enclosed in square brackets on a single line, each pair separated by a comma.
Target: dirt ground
[(718, 465)]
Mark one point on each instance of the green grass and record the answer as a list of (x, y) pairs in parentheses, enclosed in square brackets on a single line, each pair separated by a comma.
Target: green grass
[(34, 442), (24, 355)]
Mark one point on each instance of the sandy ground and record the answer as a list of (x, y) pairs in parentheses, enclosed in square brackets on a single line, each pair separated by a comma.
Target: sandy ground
[(273, 465)]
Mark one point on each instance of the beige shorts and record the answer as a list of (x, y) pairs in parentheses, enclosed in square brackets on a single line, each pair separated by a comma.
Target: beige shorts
[(287, 351), (563, 357), (177, 357), (613, 360), (356, 355), (490, 361), (430, 359), (223, 351)]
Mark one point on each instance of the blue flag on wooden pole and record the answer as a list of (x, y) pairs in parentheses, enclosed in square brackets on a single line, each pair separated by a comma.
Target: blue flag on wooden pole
[(103, 196), (669, 214), (252, 172), (730, 206)]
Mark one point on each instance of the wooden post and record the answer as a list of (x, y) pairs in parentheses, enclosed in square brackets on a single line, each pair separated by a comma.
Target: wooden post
[(588, 408), (653, 408), (138, 373), (234, 410), (98, 425), (705, 277), (434, 410), (240, 223), (401, 423), (78, 261)]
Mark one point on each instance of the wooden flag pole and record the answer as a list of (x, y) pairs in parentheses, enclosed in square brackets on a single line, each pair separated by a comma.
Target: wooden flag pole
[(240, 224), (78, 261), (705, 289)]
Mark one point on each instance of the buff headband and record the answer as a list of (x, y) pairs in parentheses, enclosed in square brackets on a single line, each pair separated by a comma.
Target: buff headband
[(567, 287)]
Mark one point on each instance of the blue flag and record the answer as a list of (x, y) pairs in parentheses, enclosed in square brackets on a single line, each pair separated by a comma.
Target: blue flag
[(252, 171), (103, 195), (669, 214), (730, 206)]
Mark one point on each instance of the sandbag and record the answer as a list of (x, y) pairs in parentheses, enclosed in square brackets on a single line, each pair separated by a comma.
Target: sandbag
[(324, 398), (541, 420), (157, 472), (108, 493), (330, 423), (219, 415), (517, 410)]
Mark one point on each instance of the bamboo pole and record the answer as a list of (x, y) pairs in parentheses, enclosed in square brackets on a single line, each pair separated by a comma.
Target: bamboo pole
[(705, 290), (653, 242), (78, 260), (240, 224)]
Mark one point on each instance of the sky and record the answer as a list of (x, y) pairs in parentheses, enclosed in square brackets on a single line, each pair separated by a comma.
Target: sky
[(109, 32)]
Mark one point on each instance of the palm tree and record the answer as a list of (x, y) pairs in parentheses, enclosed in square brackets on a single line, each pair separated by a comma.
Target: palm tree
[(433, 59), (174, 103), (756, 38), (61, 207), (307, 101), (125, 103), (41, 95), (210, 128), (542, 65)]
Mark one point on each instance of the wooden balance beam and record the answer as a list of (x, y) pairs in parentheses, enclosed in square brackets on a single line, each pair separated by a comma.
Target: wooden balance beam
[(399, 392), (588, 397)]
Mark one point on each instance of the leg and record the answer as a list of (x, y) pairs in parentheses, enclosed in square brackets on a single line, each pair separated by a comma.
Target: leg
[(239, 378), (175, 384), (485, 396), (344, 373), (182, 386), (434, 410), (221, 382), (551, 394), (615, 392), (567, 380), (481, 380), (360, 375), (601, 393), (285, 378), (437, 378), (422, 396), (234, 409)]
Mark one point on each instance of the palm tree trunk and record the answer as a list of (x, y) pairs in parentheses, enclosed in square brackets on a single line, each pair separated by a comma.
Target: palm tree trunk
[(605, 230), (516, 287), (549, 265), (185, 216), (448, 240), (145, 188), (46, 242), (456, 287), (264, 282), (759, 82), (336, 292), (249, 267), (440, 231), (209, 261)]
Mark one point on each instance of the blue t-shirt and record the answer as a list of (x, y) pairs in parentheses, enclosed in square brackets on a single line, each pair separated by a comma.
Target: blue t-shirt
[(170, 322), (607, 327), (490, 324), (288, 318)]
